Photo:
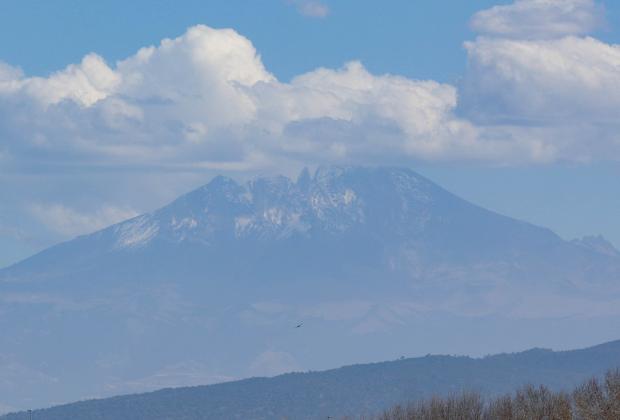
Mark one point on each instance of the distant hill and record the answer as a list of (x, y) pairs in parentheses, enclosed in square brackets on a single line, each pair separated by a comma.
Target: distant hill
[(351, 390), (377, 263)]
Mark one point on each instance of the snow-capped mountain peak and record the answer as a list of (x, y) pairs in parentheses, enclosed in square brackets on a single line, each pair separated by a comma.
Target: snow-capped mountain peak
[(333, 200)]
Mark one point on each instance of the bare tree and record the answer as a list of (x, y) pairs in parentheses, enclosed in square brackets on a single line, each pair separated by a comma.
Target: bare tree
[(596, 401), (540, 403), (593, 400), (500, 409)]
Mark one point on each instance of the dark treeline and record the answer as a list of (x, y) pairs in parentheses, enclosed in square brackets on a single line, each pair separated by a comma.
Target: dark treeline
[(365, 391), (593, 400)]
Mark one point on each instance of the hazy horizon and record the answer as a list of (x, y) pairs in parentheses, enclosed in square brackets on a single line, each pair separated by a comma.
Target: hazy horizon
[(158, 229)]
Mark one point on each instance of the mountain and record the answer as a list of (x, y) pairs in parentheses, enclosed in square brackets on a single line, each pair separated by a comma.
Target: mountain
[(598, 244), (376, 262), (352, 390)]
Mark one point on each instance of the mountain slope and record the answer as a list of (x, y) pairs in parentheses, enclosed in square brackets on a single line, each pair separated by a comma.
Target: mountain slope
[(391, 219), (351, 390), (378, 262)]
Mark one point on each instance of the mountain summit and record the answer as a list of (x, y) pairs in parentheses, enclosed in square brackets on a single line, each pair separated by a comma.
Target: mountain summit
[(376, 262)]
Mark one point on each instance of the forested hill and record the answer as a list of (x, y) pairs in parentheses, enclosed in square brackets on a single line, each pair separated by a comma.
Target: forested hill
[(350, 390)]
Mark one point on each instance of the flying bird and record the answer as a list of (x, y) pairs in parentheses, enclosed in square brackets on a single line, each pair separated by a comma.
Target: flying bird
[(299, 325)]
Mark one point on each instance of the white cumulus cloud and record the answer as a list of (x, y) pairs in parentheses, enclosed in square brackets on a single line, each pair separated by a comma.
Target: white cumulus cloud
[(525, 19), (562, 80), (547, 84), (205, 100)]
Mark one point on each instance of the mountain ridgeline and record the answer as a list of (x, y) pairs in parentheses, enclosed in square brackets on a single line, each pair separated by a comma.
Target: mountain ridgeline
[(352, 390), (376, 262)]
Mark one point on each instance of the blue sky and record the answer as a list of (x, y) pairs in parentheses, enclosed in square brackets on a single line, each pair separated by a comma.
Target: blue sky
[(83, 148), (420, 39)]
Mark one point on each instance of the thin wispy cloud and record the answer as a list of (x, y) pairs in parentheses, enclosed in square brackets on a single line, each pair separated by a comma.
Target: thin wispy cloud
[(311, 8), (12, 232), (69, 222)]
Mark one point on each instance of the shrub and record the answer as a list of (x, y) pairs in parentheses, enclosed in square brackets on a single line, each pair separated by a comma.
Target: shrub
[(593, 400)]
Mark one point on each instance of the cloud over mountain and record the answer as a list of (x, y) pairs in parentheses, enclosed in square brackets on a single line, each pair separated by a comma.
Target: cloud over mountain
[(204, 101), (206, 97), (69, 222)]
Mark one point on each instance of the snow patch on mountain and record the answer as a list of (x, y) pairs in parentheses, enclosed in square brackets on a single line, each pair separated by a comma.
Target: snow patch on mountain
[(136, 232), (185, 223)]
